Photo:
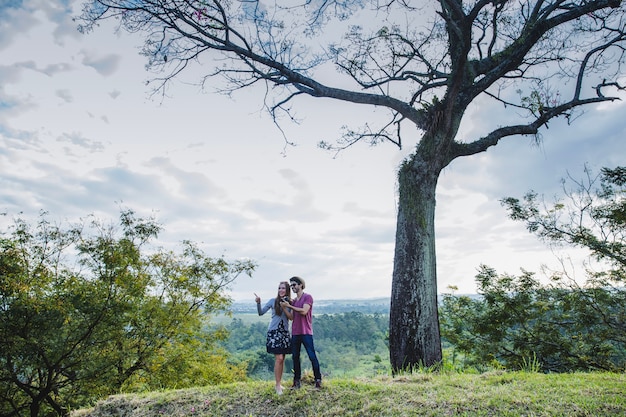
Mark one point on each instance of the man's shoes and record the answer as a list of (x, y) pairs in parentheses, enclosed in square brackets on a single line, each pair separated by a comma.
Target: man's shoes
[(296, 384), (318, 383)]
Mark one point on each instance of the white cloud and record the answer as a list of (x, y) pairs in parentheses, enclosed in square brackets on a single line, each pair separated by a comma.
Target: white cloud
[(104, 65)]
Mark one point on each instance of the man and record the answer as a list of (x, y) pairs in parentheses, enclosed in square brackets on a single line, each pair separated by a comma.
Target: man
[(302, 331)]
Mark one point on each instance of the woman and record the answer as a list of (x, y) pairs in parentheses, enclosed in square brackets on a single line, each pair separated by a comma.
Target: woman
[(278, 337)]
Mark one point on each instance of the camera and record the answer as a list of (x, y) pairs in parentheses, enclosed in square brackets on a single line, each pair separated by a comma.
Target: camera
[(285, 299)]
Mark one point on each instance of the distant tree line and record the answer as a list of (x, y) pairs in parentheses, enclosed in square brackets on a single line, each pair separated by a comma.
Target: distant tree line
[(367, 306), (348, 343)]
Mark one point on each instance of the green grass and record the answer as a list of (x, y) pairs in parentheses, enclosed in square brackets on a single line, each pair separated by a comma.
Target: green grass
[(422, 394)]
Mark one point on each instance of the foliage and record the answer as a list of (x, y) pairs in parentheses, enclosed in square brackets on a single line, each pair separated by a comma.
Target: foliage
[(423, 63), (562, 326), (89, 310), (347, 344), (594, 218), (490, 394), (518, 322)]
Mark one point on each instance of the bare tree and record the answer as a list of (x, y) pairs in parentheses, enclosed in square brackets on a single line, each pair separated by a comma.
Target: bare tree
[(425, 62)]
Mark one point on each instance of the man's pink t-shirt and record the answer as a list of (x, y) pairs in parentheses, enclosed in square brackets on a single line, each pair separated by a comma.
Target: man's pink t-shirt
[(302, 324)]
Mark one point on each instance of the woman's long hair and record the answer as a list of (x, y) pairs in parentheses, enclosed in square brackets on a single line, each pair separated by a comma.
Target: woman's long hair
[(277, 309)]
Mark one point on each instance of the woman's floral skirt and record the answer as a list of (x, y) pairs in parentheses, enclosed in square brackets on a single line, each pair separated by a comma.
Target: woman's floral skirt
[(279, 340)]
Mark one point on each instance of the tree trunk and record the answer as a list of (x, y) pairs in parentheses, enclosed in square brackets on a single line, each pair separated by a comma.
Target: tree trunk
[(35, 406), (414, 338)]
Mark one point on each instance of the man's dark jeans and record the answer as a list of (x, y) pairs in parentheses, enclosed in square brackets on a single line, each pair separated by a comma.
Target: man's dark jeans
[(296, 342)]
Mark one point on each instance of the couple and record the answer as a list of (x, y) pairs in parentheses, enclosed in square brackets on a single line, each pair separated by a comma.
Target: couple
[(300, 310)]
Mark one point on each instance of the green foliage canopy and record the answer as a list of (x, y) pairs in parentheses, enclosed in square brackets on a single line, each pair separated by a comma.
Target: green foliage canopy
[(563, 326), (90, 309)]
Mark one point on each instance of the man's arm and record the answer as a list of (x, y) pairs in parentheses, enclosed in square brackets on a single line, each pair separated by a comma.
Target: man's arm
[(302, 310)]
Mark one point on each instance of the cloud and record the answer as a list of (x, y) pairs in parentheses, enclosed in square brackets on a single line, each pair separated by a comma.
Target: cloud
[(15, 141), (14, 19), (82, 142), (65, 95), (104, 65), (57, 68), (186, 183), (354, 209), (11, 73)]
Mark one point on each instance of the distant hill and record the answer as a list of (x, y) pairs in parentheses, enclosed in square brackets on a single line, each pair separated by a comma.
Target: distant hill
[(367, 306), (364, 305)]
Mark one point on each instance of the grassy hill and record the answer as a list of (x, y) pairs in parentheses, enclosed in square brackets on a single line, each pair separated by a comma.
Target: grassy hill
[(424, 394)]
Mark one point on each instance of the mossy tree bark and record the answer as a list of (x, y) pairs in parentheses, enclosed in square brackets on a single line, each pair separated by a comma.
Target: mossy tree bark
[(414, 322)]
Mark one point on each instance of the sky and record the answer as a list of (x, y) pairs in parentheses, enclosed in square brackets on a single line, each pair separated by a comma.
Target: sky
[(81, 134)]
